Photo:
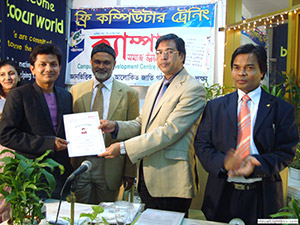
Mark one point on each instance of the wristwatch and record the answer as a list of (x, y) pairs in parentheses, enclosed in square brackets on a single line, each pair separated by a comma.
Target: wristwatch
[(122, 148)]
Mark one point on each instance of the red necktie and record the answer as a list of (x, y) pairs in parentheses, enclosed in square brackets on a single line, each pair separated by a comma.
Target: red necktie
[(244, 129)]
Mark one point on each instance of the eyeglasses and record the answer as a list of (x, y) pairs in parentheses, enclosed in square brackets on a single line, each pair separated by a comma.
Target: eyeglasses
[(166, 52)]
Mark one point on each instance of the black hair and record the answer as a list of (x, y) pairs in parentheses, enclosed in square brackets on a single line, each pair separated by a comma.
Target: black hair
[(46, 49), (14, 65), (180, 45), (259, 51)]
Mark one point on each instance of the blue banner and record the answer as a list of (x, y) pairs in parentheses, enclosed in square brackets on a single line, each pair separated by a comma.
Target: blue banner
[(26, 24), (144, 17)]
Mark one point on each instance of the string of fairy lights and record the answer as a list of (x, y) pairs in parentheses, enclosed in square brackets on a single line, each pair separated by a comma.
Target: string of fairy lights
[(267, 21)]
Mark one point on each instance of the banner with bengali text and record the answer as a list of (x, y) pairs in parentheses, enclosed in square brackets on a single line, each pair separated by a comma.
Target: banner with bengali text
[(133, 32)]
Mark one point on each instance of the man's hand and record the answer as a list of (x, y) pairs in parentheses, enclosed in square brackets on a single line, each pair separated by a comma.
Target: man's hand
[(107, 126), (112, 151), (232, 161), (246, 168), (60, 144), (128, 182)]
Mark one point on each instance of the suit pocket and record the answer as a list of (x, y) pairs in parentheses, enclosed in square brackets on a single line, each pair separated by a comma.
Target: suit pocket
[(176, 154), (265, 140)]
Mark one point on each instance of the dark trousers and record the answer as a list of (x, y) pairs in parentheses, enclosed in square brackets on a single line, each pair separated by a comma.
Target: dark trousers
[(244, 204), (164, 203)]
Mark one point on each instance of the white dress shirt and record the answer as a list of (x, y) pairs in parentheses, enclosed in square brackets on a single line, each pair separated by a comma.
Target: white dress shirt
[(253, 107)]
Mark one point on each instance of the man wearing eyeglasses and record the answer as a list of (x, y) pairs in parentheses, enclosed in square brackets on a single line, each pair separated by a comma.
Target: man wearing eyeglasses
[(162, 135)]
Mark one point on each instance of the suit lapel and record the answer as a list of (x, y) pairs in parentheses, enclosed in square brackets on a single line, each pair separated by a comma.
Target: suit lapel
[(231, 107), (265, 105), (147, 108), (174, 86), (43, 103), (59, 109), (87, 97), (115, 98)]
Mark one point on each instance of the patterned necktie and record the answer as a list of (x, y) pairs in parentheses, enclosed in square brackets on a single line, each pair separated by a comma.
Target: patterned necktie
[(244, 129), (98, 101)]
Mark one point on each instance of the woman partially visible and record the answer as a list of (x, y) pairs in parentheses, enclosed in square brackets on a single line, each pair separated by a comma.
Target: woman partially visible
[(9, 78)]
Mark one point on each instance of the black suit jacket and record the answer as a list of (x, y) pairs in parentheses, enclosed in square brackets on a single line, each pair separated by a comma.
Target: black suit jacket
[(26, 125), (275, 136)]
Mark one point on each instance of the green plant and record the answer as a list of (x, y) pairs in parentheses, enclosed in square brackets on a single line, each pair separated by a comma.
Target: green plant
[(291, 93), (92, 216), (26, 178), (288, 90), (296, 162), (276, 90), (213, 91), (291, 211)]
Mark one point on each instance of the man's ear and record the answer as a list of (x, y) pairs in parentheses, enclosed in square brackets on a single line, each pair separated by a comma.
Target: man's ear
[(31, 69)]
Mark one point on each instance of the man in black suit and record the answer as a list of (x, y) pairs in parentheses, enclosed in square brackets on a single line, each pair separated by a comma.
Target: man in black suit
[(32, 119), (246, 186)]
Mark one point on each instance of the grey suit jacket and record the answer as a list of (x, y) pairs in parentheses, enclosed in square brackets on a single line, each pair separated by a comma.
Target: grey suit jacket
[(124, 105), (165, 141)]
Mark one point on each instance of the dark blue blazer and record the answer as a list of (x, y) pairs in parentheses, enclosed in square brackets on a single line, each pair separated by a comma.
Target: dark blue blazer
[(27, 128), (275, 136)]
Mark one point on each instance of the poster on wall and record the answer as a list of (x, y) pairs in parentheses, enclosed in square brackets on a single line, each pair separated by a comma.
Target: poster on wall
[(25, 24), (133, 32)]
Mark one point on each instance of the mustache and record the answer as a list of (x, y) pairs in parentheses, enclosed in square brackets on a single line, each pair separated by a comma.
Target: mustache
[(101, 71)]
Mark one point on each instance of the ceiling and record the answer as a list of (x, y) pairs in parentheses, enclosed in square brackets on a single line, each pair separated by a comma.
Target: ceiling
[(260, 7)]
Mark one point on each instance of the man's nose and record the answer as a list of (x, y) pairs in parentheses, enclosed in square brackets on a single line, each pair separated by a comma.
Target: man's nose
[(165, 55), (242, 71), (101, 65), (48, 67)]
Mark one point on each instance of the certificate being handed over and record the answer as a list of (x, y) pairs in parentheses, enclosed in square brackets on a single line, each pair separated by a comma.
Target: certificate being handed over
[(83, 134)]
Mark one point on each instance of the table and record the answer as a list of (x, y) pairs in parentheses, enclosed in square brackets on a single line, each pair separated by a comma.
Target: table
[(52, 206)]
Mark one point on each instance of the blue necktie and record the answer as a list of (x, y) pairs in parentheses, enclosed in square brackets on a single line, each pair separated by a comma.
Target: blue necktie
[(161, 92)]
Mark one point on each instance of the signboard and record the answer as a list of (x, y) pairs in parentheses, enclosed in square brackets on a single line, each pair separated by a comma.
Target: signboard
[(25, 24), (133, 32)]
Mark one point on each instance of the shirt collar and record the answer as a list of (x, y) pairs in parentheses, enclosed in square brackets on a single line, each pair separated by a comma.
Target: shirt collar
[(254, 95), (107, 83), (166, 81)]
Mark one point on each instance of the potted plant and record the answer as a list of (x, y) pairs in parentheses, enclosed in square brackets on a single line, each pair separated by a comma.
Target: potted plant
[(295, 165), (26, 178), (291, 211)]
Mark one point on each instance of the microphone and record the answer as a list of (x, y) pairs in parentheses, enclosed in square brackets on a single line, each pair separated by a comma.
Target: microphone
[(85, 167)]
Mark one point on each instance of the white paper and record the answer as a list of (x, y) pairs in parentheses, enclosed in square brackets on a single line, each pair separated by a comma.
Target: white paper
[(65, 209), (158, 217), (83, 134)]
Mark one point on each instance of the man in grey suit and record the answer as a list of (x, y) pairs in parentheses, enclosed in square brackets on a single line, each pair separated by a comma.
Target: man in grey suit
[(114, 101), (32, 119), (162, 136)]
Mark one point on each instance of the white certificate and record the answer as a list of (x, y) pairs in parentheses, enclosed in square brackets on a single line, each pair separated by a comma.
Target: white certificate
[(83, 134)]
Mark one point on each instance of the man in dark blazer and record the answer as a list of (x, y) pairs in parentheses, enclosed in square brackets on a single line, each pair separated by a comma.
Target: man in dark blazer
[(248, 188), (32, 119)]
